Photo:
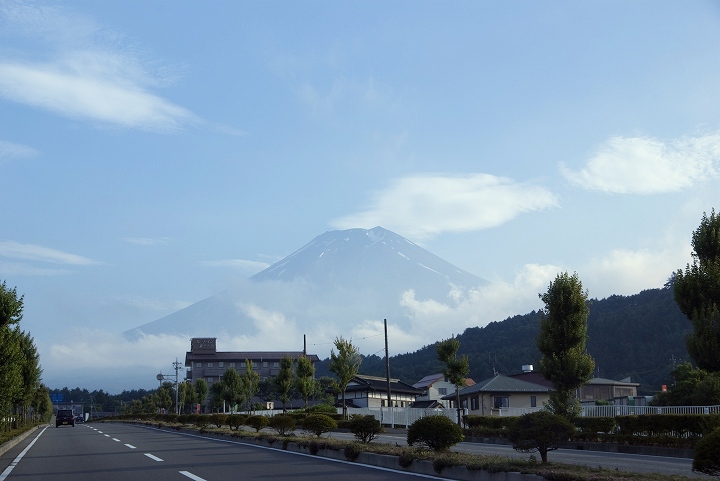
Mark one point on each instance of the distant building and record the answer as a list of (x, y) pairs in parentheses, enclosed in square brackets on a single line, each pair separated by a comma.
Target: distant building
[(433, 388), (206, 362), (372, 391)]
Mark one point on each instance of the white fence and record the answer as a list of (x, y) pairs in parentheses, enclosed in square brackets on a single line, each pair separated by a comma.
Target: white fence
[(612, 411), (404, 417)]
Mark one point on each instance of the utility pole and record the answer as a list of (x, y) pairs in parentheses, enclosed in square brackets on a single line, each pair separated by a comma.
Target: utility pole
[(387, 367)]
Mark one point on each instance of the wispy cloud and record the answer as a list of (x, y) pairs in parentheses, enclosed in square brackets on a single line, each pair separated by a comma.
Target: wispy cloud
[(87, 72), (147, 241), (32, 252), (241, 264), (641, 165), (423, 206), (10, 150)]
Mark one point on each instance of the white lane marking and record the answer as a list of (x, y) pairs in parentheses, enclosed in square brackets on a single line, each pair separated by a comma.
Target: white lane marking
[(192, 476), (116, 440), (152, 457), (106, 435), (100, 432), (15, 462), (130, 446)]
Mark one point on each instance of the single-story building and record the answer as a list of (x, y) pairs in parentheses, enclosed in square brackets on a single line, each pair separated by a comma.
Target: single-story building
[(500, 394)]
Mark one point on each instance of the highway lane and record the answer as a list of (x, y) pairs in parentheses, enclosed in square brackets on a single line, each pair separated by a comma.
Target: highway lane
[(124, 452)]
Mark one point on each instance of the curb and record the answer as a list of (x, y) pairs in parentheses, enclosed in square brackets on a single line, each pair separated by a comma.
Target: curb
[(7, 446)]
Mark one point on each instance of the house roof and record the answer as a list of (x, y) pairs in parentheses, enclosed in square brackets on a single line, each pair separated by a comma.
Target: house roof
[(610, 382), (431, 379), (501, 383), (362, 382), (428, 381), (532, 376)]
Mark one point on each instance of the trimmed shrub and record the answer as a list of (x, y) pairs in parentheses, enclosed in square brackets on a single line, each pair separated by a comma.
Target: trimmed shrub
[(202, 420), (218, 419), (235, 421), (257, 422), (365, 428), (540, 431), (706, 458), (436, 432), (283, 425), (318, 424), (487, 426)]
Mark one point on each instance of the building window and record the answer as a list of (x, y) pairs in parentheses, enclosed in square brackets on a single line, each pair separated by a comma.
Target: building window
[(210, 364), (501, 402), (242, 364), (232, 364), (276, 364), (442, 391), (198, 364), (533, 401), (265, 364), (474, 404), (221, 364)]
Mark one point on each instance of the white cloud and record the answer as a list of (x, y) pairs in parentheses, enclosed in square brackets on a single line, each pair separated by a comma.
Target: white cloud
[(147, 241), (641, 165), (627, 272), (16, 250), (23, 269), (240, 264), (423, 206), (10, 150), (85, 94), (88, 72)]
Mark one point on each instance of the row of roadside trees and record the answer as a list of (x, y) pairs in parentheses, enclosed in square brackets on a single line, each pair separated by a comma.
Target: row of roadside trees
[(23, 399)]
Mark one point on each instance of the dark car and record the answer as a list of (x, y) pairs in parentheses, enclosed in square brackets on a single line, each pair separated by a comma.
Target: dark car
[(64, 417)]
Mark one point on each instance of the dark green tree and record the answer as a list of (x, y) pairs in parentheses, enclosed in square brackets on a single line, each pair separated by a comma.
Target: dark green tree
[(232, 388), (11, 306), (345, 365), (697, 293), (201, 390), (561, 341), (284, 380), (305, 378), (250, 382), (455, 368), (541, 431)]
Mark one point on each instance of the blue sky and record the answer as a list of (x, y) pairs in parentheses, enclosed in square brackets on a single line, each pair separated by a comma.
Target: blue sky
[(152, 153)]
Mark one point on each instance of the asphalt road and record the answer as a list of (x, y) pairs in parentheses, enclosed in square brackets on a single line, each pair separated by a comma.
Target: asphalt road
[(127, 452), (108, 452)]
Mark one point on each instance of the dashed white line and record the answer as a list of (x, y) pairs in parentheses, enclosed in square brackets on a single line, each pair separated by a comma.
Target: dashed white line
[(152, 457), (116, 440), (192, 476), (106, 435), (130, 446)]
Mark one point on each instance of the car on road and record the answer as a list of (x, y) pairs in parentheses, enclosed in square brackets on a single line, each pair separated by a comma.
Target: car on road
[(64, 417)]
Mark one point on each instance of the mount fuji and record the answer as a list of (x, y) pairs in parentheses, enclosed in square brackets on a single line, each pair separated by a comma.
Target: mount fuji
[(341, 283)]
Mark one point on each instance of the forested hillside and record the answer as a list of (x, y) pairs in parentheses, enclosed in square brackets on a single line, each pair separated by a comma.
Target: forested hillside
[(629, 336)]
